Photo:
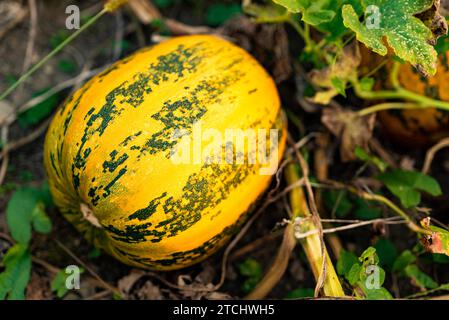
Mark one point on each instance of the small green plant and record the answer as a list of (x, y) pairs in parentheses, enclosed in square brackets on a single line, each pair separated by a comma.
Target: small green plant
[(252, 271), (364, 274), (25, 212)]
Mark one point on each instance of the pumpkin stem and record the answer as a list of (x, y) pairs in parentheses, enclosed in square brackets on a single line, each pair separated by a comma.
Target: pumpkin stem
[(88, 214)]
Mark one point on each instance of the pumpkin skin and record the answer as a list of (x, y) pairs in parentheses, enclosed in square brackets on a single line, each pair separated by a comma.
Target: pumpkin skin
[(107, 151), (414, 127)]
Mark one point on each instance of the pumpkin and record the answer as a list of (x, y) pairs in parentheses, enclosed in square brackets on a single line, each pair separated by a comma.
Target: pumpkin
[(109, 151), (417, 127)]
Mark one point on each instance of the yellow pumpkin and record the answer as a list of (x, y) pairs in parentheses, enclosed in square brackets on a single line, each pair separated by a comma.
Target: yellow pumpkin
[(413, 127), (109, 151)]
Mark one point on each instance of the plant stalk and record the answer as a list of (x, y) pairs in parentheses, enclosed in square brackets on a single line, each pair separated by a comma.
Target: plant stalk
[(311, 244)]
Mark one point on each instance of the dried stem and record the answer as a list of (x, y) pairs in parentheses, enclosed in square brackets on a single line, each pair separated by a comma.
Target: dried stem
[(312, 244)]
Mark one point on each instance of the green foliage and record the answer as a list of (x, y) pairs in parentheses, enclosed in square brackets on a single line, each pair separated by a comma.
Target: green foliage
[(163, 3), (219, 13), (252, 271), (67, 66), (407, 36), (15, 277), (387, 252), (58, 38), (345, 262), (362, 155), (406, 265), (408, 185), (314, 12), (344, 203), (40, 111), (25, 211), (58, 284), (364, 274), (300, 293), (94, 253)]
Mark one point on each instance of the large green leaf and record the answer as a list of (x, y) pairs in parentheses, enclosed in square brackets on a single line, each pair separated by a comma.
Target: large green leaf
[(14, 279), (397, 25), (419, 278), (407, 185), (314, 12), (26, 209)]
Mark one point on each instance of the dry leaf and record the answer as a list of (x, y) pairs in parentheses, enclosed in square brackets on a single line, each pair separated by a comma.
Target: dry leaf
[(437, 241), (352, 129), (267, 42), (433, 19), (343, 69), (126, 284)]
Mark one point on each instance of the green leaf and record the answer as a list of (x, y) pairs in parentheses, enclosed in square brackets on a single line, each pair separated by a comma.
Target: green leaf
[(24, 209), (361, 154), (335, 29), (40, 219), (94, 253), (314, 12), (163, 3), (345, 263), (405, 258), (40, 111), (300, 293), (270, 13), (442, 45), (251, 268), (339, 202), (67, 66), (354, 274), (339, 85), (406, 185), (396, 24), (366, 210), (18, 214), (377, 294), (58, 38), (58, 284), (367, 83), (386, 251), (15, 277), (219, 13), (369, 257), (421, 279)]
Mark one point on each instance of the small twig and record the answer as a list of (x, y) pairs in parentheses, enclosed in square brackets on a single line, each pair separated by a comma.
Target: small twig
[(51, 268), (118, 35), (31, 35), (277, 268), (444, 143), (254, 245), (5, 153), (25, 140), (348, 227), (314, 210)]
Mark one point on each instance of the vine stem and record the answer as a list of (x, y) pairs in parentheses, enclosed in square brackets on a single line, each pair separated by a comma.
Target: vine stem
[(52, 54), (381, 199), (416, 101), (311, 244)]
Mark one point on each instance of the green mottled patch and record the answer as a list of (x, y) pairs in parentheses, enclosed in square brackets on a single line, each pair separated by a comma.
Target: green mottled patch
[(112, 164), (132, 94), (145, 213), (181, 114)]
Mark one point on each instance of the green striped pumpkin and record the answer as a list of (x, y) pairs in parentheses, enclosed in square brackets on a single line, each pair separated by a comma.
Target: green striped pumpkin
[(108, 151)]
